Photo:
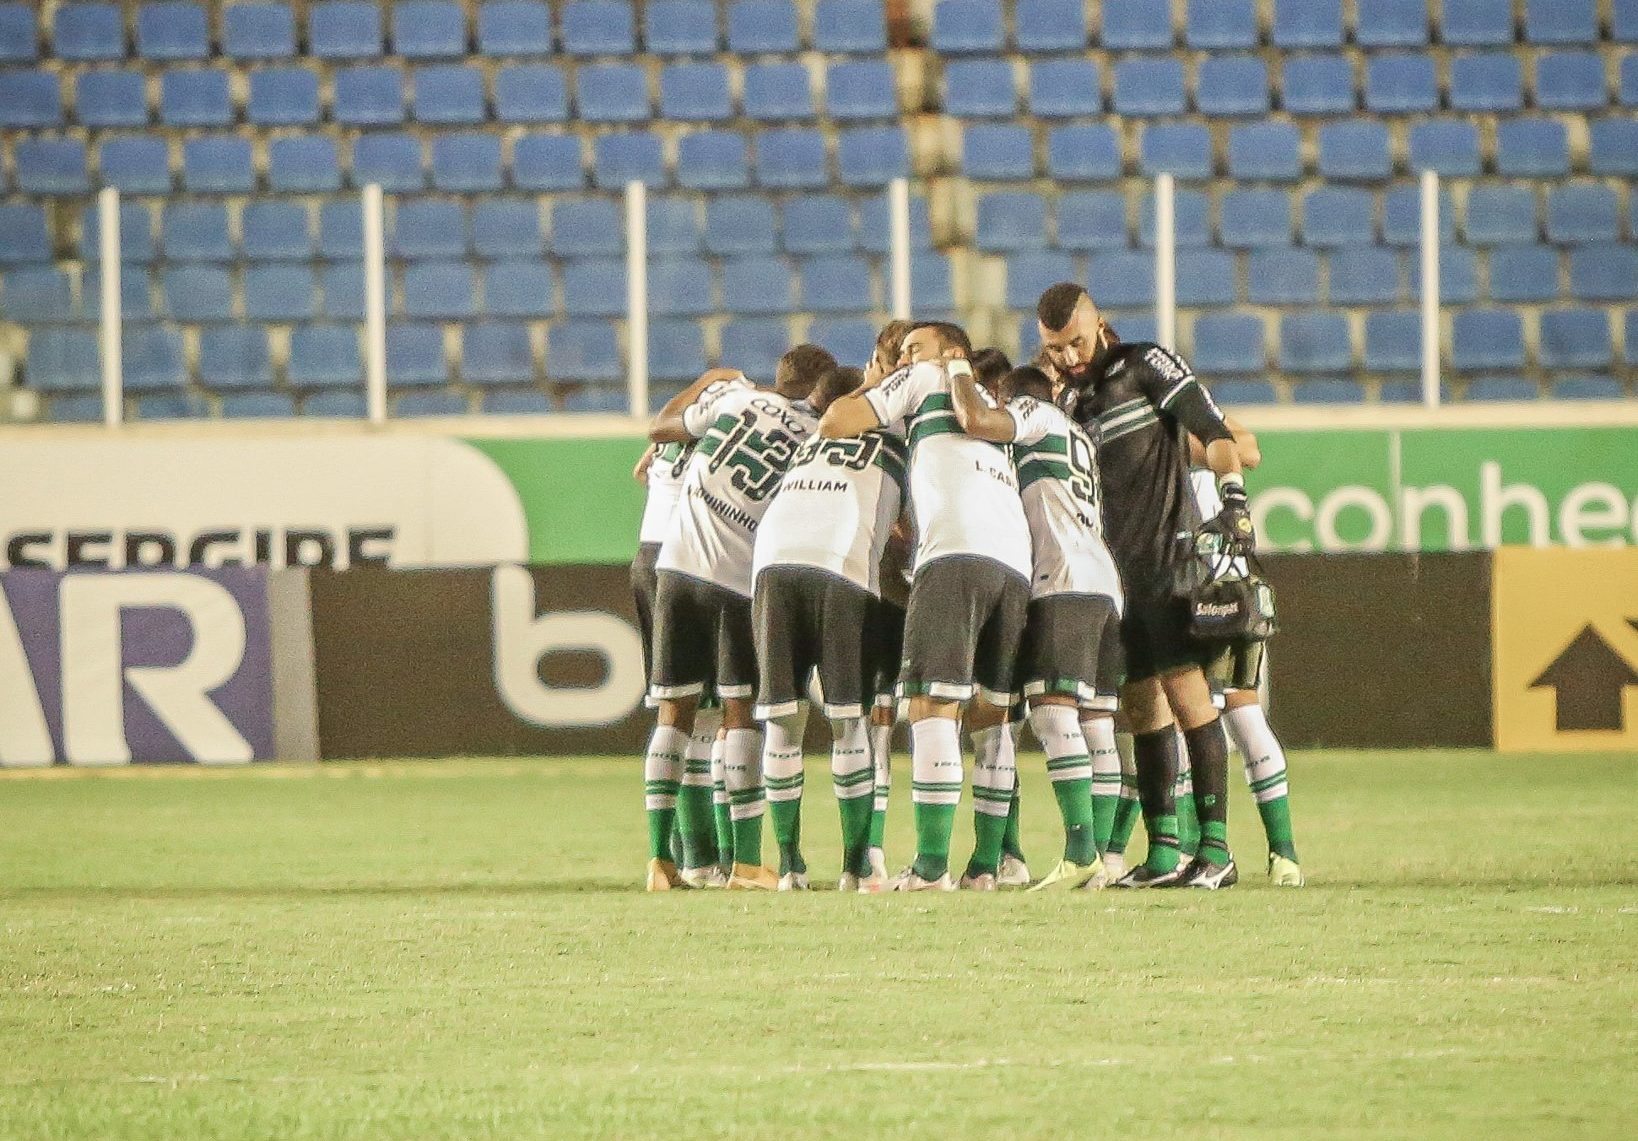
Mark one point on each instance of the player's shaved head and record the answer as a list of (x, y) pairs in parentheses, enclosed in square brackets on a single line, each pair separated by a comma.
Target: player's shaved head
[(834, 385), (989, 366), (1072, 332), (1027, 381), (935, 340), (800, 370)]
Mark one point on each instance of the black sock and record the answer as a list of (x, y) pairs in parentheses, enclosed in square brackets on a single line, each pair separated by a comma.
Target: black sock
[(1208, 757), (1156, 756)]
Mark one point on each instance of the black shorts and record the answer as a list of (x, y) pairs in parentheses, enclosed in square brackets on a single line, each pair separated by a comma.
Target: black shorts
[(961, 630), (702, 639), (886, 649), (1237, 665), (1156, 637), (1062, 651), (644, 584), (808, 620)]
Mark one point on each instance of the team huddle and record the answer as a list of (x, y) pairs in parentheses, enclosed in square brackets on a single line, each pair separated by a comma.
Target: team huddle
[(947, 540)]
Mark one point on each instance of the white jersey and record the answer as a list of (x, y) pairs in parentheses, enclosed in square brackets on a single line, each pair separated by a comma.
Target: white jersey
[(665, 476), (836, 507), (747, 437), (1203, 481), (1058, 480), (963, 491)]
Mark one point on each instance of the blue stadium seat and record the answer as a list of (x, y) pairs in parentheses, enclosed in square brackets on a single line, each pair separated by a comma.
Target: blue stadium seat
[(444, 403), (1393, 342), (1265, 151), (198, 293), (76, 408), (676, 350), (1029, 272), (1613, 146), (1049, 26), (1236, 392), (713, 160), (283, 97), (1338, 216), (196, 231), (1501, 215), (1604, 273), (1315, 342), (1229, 343), (1328, 390), (821, 224), (547, 162), (1283, 277), (23, 236), (427, 228), (111, 99), (791, 160), (1447, 146), (1400, 83), (1011, 220), (849, 27), (863, 89), (1183, 149), (324, 356), (1624, 21), (1631, 321), (932, 283), (368, 96), (195, 99), (1089, 220), (1218, 24), (1575, 338), (1149, 85), (303, 164), (531, 93), (257, 406), (1065, 88), (872, 156), (1402, 217), (136, 165), (135, 294), (519, 289), (50, 166), (497, 353), (836, 283), (1570, 81), (1307, 23), (415, 356), (756, 285), (466, 163), (344, 29), (30, 99), (777, 91), (1232, 85), (280, 293), (1487, 81), (171, 406), (762, 26), (754, 345), (514, 27), (393, 160), (1588, 388), (448, 94), (998, 152), (679, 287), (1255, 218), (1524, 273), (258, 31), (967, 27), (681, 27), (1561, 21), (1391, 23), (1121, 279), (1356, 150), (234, 356), (582, 350), (18, 38), (63, 360), (1205, 278), (136, 234), (848, 339), (1083, 153), (428, 29), (1364, 275), (152, 358), (517, 402), (1532, 148), (172, 31), (612, 93), (1487, 339), (1582, 213), (630, 156), (978, 89), (1502, 388), (507, 228), (597, 27), (1137, 25), (38, 295), (594, 287), (343, 287), (438, 290), (695, 92), (78, 31), (873, 224), (1477, 22), (587, 227), (604, 399), (1318, 85)]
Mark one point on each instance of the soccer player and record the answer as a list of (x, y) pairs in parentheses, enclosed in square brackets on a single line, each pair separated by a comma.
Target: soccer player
[(817, 591), (1144, 400), (967, 600), (1075, 598), (702, 607)]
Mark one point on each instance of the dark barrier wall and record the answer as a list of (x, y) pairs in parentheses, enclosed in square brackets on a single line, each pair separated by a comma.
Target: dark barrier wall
[(1382, 651)]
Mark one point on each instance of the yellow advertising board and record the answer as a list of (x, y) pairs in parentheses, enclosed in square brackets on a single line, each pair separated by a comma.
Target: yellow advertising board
[(1566, 649)]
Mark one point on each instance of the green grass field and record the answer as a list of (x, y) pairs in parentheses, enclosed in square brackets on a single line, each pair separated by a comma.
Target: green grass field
[(456, 949)]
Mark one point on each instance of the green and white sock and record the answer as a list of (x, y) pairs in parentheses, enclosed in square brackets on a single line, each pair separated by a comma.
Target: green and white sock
[(881, 760), (1188, 823), (995, 780), (1099, 734), (694, 820), (1265, 773), (782, 775), (1069, 767), (935, 790), (720, 807), (662, 775), (742, 775), (853, 777), (1127, 809), (1156, 756)]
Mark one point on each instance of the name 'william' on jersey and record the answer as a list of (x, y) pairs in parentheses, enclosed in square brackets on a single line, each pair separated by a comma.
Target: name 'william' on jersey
[(747, 438), (963, 491)]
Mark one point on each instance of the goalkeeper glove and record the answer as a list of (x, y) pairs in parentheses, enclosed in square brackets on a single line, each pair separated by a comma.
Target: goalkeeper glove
[(1234, 520)]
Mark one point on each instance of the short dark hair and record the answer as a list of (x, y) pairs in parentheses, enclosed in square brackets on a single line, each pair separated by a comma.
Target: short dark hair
[(1057, 305), (834, 385), (953, 335), (989, 366), (800, 369), (1027, 380), (891, 337)]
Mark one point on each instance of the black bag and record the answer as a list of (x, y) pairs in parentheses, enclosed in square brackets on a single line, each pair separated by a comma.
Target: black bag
[(1229, 600)]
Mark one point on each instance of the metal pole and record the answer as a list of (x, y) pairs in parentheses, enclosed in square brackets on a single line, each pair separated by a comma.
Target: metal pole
[(1430, 288), (637, 296), (898, 244), (375, 305), (113, 379), (1166, 260)]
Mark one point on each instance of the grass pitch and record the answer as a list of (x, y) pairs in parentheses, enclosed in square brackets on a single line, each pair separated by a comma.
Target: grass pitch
[(456, 949)]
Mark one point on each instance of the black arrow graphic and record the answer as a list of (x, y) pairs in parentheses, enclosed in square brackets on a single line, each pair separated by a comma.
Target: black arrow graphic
[(1588, 677)]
